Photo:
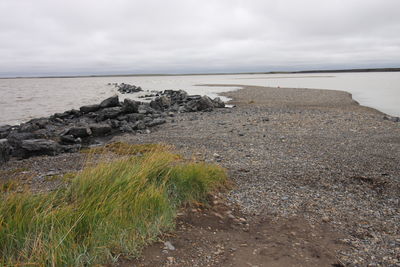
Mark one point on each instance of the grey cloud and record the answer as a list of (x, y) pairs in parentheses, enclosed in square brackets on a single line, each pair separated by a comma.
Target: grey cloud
[(100, 36)]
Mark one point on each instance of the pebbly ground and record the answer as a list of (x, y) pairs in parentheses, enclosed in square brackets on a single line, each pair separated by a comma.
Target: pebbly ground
[(313, 155), (310, 153)]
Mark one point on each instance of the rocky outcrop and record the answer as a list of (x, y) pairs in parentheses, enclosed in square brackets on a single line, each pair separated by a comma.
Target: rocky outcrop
[(68, 131), (124, 88)]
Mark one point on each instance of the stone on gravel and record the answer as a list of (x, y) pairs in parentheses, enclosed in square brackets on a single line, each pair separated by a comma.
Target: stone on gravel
[(168, 245), (110, 102)]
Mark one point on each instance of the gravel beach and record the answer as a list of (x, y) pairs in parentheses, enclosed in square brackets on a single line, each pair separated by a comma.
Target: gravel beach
[(301, 152), (294, 153)]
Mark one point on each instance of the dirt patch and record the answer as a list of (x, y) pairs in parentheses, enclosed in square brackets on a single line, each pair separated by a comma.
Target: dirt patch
[(221, 236)]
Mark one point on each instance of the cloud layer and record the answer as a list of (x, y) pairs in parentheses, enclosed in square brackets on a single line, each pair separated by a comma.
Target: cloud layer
[(51, 37)]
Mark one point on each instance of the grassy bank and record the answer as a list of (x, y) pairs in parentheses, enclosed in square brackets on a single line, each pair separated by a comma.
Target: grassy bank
[(106, 211)]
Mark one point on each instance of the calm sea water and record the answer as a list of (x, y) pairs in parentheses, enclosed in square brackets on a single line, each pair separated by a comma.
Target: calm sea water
[(23, 99)]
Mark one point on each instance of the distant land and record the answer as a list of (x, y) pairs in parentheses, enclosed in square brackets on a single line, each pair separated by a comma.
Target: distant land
[(219, 73)]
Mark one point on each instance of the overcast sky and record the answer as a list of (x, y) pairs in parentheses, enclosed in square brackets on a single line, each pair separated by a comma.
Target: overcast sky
[(52, 37)]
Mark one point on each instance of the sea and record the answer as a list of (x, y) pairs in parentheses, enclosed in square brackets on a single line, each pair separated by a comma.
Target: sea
[(26, 98)]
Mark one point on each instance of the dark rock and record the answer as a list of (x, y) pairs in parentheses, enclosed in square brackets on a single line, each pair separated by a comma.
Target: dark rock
[(15, 137), (110, 102), (5, 151), (130, 106), (40, 147), (145, 109), (4, 131), (70, 139), (155, 122), (89, 108), (71, 148), (128, 88), (218, 103), (114, 123), (108, 113), (161, 103), (391, 118), (100, 129), (134, 117), (126, 128), (79, 131), (28, 127), (139, 125)]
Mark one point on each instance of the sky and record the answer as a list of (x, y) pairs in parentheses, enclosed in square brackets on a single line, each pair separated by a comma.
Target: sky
[(73, 37)]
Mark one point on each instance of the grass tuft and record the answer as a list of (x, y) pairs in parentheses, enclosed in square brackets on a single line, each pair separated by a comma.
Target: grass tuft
[(109, 210)]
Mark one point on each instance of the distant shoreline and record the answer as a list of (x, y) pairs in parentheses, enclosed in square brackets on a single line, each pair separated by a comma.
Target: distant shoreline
[(204, 74)]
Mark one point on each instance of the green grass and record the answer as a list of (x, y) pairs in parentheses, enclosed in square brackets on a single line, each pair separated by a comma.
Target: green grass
[(107, 211)]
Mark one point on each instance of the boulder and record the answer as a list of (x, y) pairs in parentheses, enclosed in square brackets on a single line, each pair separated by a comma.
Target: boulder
[(130, 106), (89, 108), (5, 151), (108, 113), (35, 147), (110, 102), (100, 129), (79, 131)]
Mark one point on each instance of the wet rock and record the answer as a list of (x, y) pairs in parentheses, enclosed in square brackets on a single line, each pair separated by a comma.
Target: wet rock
[(110, 102), (89, 108), (79, 131), (40, 147), (5, 151), (100, 129), (130, 106)]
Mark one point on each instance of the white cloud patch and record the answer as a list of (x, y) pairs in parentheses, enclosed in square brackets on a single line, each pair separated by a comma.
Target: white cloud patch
[(45, 37)]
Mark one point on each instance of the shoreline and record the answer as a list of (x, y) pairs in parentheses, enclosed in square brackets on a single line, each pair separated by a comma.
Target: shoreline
[(362, 70), (314, 155)]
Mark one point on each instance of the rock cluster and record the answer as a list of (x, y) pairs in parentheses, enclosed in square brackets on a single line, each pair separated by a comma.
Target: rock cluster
[(124, 88), (72, 129)]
